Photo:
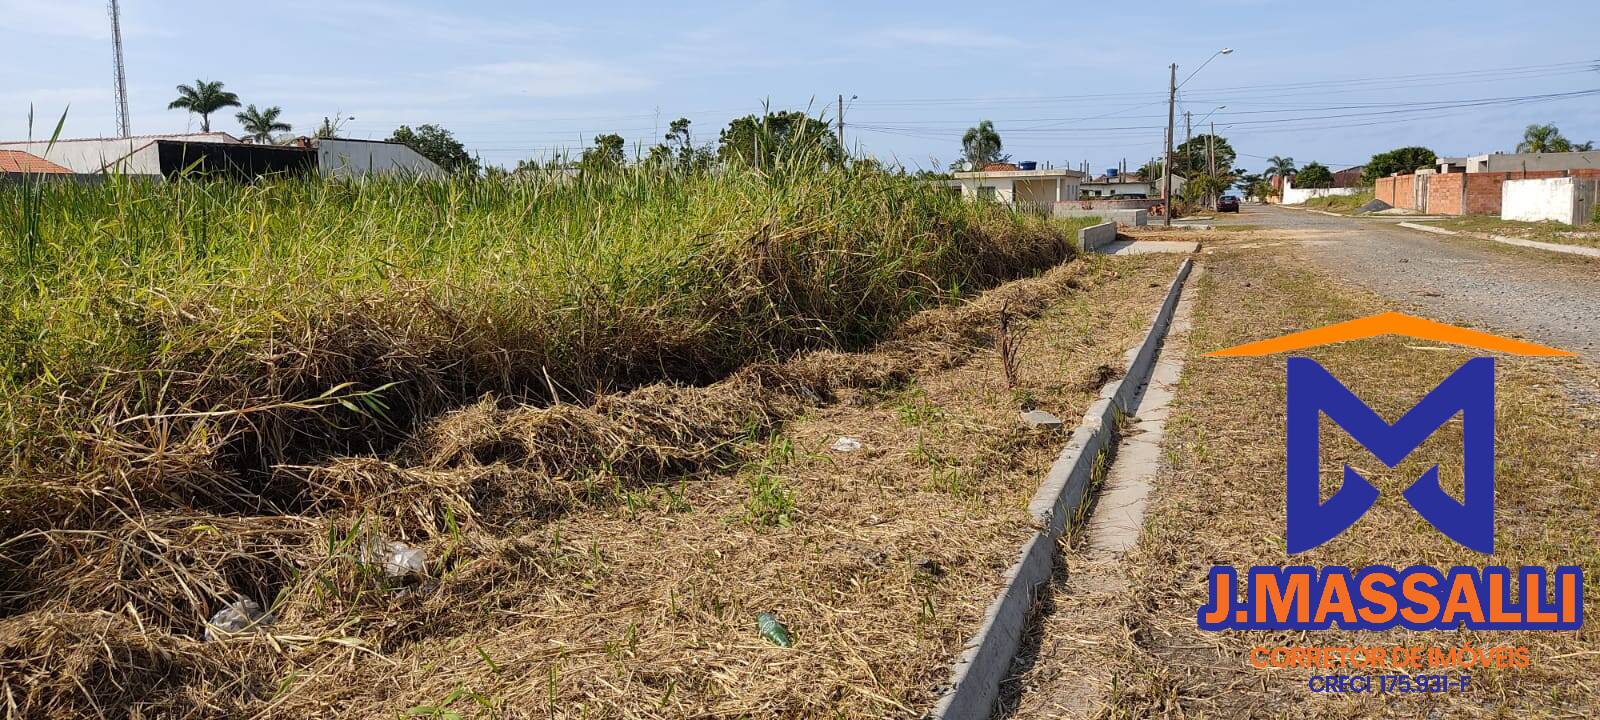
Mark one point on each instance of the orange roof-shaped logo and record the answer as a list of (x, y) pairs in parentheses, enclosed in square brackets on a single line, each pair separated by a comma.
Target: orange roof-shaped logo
[(1389, 323)]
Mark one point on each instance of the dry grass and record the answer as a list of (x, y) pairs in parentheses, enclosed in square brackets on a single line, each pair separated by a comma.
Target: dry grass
[(1221, 503), (603, 559), (1551, 232)]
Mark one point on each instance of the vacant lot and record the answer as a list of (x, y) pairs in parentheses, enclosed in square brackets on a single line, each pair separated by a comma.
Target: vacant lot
[(1221, 502), (600, 410), (1552, 232)]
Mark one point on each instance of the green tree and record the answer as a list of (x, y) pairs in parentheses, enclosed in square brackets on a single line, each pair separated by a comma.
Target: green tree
[(1583, 146), (1280, 167), (1192, 157), (439, 145), (203, 98), (761, 141), (1314, 175), (1251, 183), (678, 150), (980, 145), (1150, 171), (259, 125), (607, 154), (1399, 160)]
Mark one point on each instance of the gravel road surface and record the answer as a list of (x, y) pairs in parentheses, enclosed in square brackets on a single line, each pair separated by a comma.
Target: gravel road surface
[(1535, 295)]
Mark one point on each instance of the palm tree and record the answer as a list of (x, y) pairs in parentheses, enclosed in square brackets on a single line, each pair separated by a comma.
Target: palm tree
[(204, 98), (981, 145), (1280, 167), (261, 124), (1543, 139)]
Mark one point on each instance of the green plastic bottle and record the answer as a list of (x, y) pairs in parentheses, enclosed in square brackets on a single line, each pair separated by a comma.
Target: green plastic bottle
[(773, 630)]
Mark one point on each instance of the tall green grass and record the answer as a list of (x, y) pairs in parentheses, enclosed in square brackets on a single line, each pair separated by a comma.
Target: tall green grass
[(152, 333)]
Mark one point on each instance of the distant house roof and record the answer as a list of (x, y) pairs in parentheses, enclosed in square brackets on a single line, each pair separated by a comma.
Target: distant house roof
[(17, 161), (214, 136), (999, 167)]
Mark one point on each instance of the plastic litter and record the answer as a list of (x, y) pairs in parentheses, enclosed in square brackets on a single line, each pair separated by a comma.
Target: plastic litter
[(845, 444), (396, 559), (1042, 420), (402, 560), (773, 630), (234, 618)]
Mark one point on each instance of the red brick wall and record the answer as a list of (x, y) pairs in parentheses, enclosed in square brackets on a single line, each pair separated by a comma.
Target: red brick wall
[(1404, 192), (1383, 190), (1444, 193)]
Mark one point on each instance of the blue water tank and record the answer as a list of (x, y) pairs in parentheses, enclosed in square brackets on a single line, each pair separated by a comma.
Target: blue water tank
[(1111, 172), (1027, 165)]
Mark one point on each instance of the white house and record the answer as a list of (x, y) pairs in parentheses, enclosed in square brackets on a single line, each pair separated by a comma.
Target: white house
[(1121, 186), (1039, 189)]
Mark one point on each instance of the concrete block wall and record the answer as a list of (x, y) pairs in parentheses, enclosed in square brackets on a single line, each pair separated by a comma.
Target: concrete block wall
[(1094, 236), (1132, 218), (1564, 200)]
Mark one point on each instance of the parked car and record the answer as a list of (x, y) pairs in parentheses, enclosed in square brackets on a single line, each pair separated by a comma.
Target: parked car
[(1228, 203)]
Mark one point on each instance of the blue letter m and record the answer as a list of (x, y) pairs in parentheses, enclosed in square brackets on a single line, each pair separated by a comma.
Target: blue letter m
[(1312, 392)]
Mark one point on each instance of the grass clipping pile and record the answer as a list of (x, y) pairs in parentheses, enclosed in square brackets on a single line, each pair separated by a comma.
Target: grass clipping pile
[(597, 560)]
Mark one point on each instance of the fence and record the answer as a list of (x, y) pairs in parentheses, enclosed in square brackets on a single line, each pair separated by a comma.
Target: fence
[(1459, 193)]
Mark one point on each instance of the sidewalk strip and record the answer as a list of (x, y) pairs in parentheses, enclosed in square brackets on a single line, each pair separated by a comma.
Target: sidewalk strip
[(986, 661)]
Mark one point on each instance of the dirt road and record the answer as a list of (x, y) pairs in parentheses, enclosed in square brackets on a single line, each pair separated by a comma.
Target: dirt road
[(1544, 297)]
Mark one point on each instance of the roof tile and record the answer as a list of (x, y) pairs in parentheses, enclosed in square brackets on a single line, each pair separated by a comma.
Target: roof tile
[(16, 161)]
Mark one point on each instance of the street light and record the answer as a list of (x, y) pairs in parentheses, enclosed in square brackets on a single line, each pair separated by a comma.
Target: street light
[(1213, 110), (1172, 104)]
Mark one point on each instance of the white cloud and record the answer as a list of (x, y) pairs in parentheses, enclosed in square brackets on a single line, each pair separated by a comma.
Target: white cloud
[(562, 78), (413, 22), (942, 37)]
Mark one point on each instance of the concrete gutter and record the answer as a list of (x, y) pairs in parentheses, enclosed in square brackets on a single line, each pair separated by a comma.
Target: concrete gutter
[(1520, 242), (985, 662)]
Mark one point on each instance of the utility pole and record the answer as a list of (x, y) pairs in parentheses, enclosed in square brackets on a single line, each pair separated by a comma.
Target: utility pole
[(841, 122), (1172, 102), (1211, 157), (120, 74)]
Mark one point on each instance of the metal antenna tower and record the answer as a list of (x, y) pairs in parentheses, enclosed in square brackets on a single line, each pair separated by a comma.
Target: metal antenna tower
[(122, 75)]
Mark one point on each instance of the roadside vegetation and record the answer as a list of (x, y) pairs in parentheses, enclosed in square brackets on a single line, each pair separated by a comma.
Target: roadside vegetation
[(1340, 203), (215, 393), (1551, 232)]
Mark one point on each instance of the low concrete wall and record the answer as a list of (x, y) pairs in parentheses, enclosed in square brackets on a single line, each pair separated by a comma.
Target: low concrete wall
[(1296, 196), (1094, 236), (1111, 203), (1130, 218), (1563, 200)]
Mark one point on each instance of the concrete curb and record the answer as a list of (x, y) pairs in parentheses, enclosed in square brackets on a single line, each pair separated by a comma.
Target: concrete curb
[(1094, 236), (1551, 247), (1519, 242), (1428, 228), (986, 659)]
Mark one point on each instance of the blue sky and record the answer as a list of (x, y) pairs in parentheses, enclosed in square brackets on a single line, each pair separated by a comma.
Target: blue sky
[(1063, 81)]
